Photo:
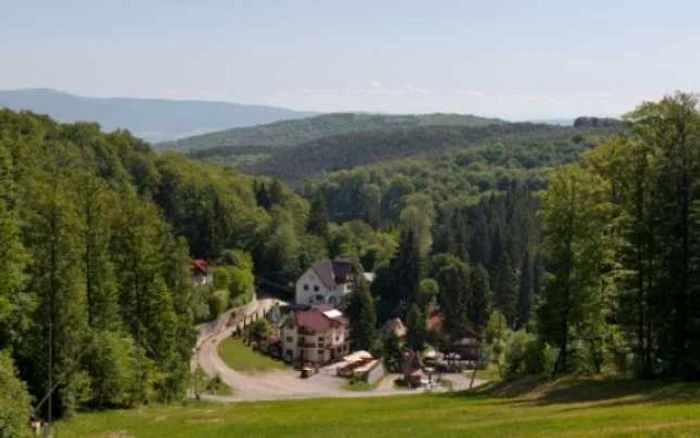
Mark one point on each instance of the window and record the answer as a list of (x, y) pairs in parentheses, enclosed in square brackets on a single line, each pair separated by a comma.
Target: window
[(306, 287), (320, 339), (290, 339), (320, 352), (316, 289)]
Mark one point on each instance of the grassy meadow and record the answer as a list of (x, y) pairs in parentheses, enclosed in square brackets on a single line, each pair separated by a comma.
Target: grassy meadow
[(240, 357), (525, 409)]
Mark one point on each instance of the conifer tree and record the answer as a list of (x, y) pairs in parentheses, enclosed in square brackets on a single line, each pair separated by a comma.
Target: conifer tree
[(524, 293), (416, 325), (403, 287), (363, 317), (479, 305), (318, 222), (453, 279)]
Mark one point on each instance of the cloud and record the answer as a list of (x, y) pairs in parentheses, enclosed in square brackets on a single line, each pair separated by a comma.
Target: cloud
[(473, 93), (417, 90), (375, 88)]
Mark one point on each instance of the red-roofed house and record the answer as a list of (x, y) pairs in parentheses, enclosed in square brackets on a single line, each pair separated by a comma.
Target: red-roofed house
[(316, 336), (202, 272), (325, 282)]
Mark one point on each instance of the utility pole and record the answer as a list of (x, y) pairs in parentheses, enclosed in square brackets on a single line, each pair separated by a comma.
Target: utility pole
[(49, 414)]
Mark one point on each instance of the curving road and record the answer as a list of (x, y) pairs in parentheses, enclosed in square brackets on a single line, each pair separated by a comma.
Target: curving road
[(279, 384)]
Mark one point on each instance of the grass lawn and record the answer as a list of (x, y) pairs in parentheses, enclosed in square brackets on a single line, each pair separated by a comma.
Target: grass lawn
[(242, 358), (526, 409), (491, 374)]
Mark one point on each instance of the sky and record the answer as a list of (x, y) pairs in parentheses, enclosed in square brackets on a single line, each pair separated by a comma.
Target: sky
[(516, 59)]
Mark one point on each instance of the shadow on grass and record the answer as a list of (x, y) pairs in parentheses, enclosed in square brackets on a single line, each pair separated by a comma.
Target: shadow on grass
[(608, 392)]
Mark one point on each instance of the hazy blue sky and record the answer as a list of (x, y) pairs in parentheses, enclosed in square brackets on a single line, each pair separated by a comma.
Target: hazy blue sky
[(517, 59)]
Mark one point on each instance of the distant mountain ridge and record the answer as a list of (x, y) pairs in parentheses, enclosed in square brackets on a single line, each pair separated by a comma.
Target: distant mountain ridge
[(294, 132), (152, 119)]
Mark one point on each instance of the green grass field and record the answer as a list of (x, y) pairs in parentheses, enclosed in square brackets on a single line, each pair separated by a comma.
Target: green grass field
[(491, 374), (568, 409), (242, 358)]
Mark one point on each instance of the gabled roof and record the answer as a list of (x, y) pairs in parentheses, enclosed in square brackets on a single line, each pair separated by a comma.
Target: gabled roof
[(324, 270), (333, 272)]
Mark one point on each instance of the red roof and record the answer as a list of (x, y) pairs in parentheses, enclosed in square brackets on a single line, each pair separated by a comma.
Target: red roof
[(436, 322), (200, 265), (316, 320)]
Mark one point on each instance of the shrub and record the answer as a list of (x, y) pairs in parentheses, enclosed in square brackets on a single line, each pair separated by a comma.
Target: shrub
[(525, 353)]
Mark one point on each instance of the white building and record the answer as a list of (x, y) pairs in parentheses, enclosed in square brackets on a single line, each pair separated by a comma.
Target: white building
[(325, 282), (316, 336)]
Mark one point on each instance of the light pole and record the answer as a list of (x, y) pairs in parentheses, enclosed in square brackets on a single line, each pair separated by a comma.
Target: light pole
[(49, 413)]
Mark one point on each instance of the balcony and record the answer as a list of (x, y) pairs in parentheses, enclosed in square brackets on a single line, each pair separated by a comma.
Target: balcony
[(304, 344), (305, 332)]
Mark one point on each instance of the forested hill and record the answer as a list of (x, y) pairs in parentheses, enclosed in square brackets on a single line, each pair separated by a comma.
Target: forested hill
[(294, 132), (346, 151), (152, 119), (96, 237)]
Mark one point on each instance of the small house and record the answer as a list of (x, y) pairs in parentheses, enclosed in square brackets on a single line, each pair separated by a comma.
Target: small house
[(202, 272)]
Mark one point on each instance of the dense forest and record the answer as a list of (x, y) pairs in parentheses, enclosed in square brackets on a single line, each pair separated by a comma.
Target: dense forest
[(511, 140), (97, 235), (595, 273), (295, 132), (621, 249)]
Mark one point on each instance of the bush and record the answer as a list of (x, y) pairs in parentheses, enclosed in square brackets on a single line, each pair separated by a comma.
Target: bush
[(222, 277), (525, 353), (236, 258), (514, 353), (242, 287), (112, 370), (15, 407), (218, 304)]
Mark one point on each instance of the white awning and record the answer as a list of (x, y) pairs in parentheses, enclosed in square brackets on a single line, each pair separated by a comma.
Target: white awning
[(333, 313)]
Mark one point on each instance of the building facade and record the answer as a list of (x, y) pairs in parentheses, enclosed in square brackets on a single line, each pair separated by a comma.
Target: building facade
[(316, 336), (325, 282)]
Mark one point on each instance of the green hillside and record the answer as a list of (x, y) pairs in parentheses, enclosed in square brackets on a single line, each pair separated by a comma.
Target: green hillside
[(346, 151), (578, 409), (294, 132)]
